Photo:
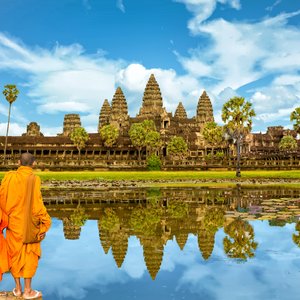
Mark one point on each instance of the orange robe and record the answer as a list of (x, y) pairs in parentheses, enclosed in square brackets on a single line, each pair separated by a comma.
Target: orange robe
[(24, 257), (5, 261)]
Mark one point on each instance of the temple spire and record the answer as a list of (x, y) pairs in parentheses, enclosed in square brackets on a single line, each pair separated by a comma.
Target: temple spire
[(119, 110), (180, 112), (204, 109), (152, 100), (104, 114)]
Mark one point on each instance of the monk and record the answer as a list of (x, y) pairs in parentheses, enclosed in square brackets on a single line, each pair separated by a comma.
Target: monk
[(22, 258)]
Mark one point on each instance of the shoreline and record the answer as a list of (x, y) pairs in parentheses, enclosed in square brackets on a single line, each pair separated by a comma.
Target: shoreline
[(96, 183)]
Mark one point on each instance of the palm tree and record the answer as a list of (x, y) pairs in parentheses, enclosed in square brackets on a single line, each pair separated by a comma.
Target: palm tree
[(237, 115), (295, 116), (11, 93)]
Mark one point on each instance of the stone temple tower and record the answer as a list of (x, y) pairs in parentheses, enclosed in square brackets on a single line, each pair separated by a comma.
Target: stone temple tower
[(104, 114), (204, 110), (119, 110), (71, 121), (152, 105), (180, 112)]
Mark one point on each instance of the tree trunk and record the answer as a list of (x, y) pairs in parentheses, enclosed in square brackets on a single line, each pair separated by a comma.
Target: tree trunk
[(8, 121), (238, 161)]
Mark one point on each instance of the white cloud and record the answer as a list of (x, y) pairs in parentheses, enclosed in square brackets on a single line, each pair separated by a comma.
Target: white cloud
[(276, 3), (62, 79), (203, 9), (240, 53), (52, 107), (14, 129), (174, 88), (120, 5)]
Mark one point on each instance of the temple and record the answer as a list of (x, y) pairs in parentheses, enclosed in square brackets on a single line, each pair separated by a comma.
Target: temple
[(259, 150)]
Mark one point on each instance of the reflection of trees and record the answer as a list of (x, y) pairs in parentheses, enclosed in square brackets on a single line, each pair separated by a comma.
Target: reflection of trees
[(109, 221), (153, 195), (72, 225), (178, 210), (214, 218), (146, 220), (79, 217), (240, 243), (296, 237)]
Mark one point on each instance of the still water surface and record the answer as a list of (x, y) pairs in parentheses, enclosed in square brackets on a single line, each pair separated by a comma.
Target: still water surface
[(171, 243)]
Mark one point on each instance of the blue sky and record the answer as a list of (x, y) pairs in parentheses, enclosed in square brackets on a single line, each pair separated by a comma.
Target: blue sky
[(67, 56)]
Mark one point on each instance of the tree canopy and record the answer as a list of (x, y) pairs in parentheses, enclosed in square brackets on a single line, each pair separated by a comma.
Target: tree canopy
[(177, 147), (11, 93), (144, 135), (295, 116), (109, 134), (213, 134), (288, 143), (79, 137), (237, 114)]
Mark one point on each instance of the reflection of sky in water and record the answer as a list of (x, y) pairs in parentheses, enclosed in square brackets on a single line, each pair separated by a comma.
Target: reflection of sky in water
[(80, 269)]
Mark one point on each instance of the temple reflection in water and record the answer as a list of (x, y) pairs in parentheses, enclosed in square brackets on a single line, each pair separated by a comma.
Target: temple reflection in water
[(157, 215)]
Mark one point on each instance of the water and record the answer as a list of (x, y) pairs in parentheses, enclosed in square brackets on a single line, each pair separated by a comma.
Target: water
[(187, 243)]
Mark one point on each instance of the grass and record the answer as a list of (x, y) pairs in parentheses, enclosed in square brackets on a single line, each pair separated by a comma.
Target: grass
[(166, 175)]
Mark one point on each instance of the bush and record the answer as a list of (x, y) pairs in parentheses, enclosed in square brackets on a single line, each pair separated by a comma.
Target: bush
[(220, 155), (153, 163)]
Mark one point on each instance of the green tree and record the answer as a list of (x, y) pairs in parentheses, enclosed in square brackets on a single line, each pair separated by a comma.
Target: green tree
[(153, 141), (10, 93), (149, 125), (240, 243), (79, 137), (137, 134), (144, 135), (109, 135), (288, 143), (153, 163), (295, 116), (237, 115), (177, 147), (213, 134)]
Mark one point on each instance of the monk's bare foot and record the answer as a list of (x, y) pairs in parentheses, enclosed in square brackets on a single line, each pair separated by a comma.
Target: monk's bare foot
[(32, 294), (16, 292), (3, 294)]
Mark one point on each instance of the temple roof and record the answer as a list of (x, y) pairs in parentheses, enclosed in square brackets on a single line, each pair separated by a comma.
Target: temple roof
[(152, 100), (104, 114), (204, 109), (180, 112), (119, 103)]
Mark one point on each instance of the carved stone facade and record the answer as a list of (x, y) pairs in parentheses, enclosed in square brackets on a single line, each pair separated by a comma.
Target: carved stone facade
[(105, 113), (71, 121), (259, 149), (33, 129)]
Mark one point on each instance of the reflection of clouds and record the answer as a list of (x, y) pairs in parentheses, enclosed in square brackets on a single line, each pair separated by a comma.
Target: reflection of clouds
[(273, 273), (134, 264), (79, 269)]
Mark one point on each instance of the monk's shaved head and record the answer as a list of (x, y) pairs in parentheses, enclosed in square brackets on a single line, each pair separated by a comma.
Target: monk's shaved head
[(27, 159)]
